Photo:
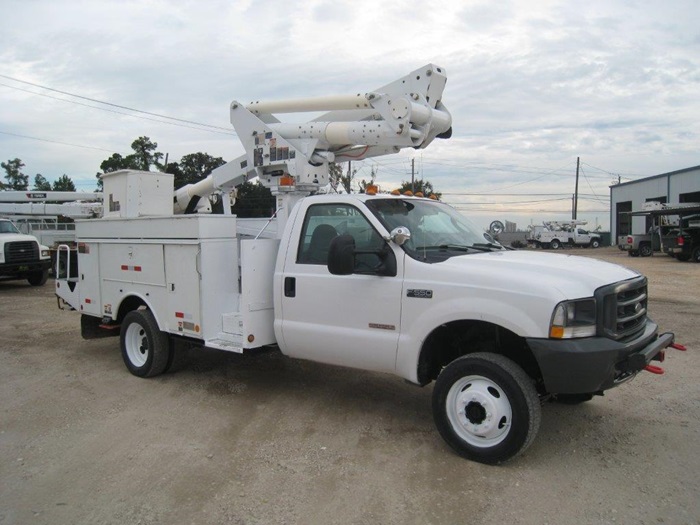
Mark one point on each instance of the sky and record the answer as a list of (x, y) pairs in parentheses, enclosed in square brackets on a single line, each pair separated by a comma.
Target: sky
[(531, 87)]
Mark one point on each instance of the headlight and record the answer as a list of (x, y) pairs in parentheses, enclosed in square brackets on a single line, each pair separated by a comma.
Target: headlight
[(45, 254), (573, 319)]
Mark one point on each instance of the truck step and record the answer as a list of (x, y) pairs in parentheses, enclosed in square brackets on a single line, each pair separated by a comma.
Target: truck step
[(223, 344)]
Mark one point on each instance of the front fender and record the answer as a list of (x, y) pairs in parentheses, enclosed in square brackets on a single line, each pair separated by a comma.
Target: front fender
[(519, 319)]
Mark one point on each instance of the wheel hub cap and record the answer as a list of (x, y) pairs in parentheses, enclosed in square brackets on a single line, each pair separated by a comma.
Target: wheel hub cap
[(479, 411)]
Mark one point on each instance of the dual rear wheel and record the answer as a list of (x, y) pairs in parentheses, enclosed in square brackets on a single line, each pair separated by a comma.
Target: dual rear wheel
[(146, 351)]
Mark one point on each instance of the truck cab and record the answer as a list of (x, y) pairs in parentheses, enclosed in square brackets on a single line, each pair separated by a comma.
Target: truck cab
[(21, 256)]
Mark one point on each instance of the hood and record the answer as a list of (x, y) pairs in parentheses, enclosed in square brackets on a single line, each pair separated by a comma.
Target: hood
[(14, 237), (539, 273)]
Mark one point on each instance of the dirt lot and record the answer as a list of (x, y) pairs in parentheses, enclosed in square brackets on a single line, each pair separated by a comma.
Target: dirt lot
[(267, 440)]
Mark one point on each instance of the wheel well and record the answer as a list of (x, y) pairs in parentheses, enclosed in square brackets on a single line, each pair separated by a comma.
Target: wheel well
[(127, 305), (452, 340)]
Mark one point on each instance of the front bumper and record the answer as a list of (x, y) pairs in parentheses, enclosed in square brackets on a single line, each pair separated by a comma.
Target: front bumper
[(594, 364), (25, 268)]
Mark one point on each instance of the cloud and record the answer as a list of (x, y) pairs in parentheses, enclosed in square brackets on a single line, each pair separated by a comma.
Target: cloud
[(531, 86)]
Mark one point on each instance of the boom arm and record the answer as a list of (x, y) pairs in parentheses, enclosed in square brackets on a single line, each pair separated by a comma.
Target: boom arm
[(294, 158)]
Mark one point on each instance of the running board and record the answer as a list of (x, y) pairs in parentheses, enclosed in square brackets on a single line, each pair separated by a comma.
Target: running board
[(224, 344)]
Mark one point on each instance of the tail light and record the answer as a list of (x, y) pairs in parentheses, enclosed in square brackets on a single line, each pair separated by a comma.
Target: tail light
[(630, 240), (680, 240)]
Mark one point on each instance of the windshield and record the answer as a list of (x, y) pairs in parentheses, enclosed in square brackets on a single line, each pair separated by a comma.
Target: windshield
[(438, 231), (8, 227)]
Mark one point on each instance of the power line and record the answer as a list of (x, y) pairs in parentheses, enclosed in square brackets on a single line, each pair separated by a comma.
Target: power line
[(117, 112), (114, 105), (56, 141)]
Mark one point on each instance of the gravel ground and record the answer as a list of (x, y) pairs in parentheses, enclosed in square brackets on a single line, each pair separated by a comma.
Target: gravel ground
[(268, 440)]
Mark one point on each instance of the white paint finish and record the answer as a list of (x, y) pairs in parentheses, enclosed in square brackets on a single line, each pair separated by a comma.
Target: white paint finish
[(257, 307)]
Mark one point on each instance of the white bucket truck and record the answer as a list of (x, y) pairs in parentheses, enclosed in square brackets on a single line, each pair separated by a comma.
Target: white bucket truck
[(395, 284)]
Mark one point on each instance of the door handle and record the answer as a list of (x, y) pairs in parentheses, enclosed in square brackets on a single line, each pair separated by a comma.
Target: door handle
[(290, 286)]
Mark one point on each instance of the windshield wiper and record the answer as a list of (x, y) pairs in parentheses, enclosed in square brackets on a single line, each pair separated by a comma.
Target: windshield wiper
[(486, 246), (445, 247)]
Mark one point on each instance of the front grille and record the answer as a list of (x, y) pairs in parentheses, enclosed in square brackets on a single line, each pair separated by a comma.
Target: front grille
[(21, 252), (624, 311)]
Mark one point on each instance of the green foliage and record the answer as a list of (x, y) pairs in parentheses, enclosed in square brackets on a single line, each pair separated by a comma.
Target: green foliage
[(254, 200), (195, 167), (16, 180), (145, 154), (191, 168), (40, 183), (420, 185), (63, 183), (143, 157)]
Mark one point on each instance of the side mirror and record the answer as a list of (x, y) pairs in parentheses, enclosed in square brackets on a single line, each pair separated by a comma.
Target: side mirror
[(345, 259), (341, 255)]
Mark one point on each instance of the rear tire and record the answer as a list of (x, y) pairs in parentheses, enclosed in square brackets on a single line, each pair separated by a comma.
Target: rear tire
[(486, 407), (555, 244), (696, 254), (38, 278), (645, 250), (145, 349)]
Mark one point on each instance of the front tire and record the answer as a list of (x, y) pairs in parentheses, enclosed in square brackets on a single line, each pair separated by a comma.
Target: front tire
[(595, 243), (38, 278), (145, 349), (486, 407)]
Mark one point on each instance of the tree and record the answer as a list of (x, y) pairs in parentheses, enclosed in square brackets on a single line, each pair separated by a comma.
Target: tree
[(145, 154), (143, 157), (195, 167), (40, 183), (423, 186), (63, 183), (115, 163), (16, 180), (254, 200)]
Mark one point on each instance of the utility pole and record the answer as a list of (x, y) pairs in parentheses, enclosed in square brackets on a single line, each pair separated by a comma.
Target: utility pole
[(413, 175), (573, 215)]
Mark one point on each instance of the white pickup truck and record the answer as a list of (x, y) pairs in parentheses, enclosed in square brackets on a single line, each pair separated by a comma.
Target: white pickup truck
[(21, 256)]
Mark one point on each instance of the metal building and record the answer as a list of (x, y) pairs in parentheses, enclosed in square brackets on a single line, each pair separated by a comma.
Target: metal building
[(675, 187)]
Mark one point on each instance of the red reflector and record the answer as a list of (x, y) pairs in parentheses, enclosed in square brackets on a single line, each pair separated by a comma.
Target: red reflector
[(137, 268), (125, 267), (179, 315), (88, 301)]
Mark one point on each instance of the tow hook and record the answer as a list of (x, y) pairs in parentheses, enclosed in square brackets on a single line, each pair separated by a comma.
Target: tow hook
[(677, 346), (654, 369)]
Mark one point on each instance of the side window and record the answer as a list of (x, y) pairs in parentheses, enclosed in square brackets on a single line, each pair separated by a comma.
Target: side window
[(324, 222)]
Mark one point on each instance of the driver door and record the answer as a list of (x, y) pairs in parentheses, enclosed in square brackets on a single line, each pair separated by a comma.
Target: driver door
[(349, 320)]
